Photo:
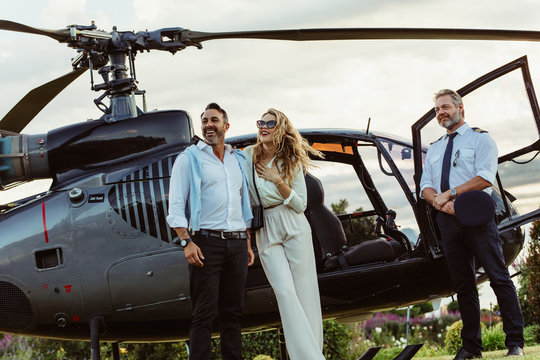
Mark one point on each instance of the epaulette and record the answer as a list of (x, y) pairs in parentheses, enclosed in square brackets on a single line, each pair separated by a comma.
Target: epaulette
[(478, 130), (436, 140)]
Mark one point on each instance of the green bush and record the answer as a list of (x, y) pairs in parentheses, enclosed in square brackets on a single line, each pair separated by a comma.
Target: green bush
[(337, 341), (452, 341), (260, 343), (453, 306), (529, 280), (157, 351), (493, 338), (46, 349), (531, 334)]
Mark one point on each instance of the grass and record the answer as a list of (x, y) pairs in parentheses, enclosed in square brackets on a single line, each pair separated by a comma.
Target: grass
[(531, 353)]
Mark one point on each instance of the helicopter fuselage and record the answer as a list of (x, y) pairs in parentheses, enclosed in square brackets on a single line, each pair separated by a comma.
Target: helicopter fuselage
[(97, 244)]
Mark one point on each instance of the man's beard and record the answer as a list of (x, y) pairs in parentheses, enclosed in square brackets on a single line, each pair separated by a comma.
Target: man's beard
[(219, 134), (450, 122)]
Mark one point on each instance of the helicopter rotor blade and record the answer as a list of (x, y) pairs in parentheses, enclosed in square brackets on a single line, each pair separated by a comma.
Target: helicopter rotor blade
[(33, 102), (367, 34), (61, 35)]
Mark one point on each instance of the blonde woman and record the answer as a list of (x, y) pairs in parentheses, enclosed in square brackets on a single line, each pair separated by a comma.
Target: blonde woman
[(285, 243)]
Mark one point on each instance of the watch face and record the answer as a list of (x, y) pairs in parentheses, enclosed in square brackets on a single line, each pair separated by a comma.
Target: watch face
[(183, 243)]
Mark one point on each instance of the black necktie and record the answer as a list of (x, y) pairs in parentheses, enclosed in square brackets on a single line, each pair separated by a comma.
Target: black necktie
[(445, 175)]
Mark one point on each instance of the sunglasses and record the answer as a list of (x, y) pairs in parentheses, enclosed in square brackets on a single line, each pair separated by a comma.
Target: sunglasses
[(270, 124)]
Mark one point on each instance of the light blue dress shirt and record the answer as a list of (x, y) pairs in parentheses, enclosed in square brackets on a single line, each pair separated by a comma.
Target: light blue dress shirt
[(217, 192), (474, 154)]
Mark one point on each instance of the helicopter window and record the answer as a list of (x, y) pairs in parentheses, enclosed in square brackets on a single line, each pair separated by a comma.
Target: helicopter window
[(49, 259), (388, 187), (520, 177), (340, 182), (402, 156), (346, 198)]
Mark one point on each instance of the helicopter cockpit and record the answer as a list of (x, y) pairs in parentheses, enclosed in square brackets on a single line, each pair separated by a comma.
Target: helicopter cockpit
[(354, 162)]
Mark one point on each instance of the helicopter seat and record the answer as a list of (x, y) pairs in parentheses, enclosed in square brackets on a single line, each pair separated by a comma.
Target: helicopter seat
[(326, 228), (369, 251)]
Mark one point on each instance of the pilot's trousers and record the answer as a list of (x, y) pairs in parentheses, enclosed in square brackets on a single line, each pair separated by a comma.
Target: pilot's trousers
[(462, 244), (286, 252)]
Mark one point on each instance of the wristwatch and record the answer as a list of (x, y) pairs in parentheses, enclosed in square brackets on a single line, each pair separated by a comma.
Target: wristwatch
[(185, 242), (453, 193)]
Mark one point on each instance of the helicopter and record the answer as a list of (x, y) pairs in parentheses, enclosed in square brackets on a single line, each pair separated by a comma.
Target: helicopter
[(92, 258)]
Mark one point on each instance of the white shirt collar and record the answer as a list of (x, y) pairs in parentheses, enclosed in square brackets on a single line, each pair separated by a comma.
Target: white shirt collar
[(204, 146), (461, 130)]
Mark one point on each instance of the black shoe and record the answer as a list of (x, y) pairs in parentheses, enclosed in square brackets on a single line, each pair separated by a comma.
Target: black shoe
[(515, 351), (464, 354)]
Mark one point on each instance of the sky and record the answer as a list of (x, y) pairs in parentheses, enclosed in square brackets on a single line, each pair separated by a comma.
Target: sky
[(322, 84)]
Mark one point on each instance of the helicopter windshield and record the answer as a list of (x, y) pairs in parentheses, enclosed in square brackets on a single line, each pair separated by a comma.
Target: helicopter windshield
[(389, 165)]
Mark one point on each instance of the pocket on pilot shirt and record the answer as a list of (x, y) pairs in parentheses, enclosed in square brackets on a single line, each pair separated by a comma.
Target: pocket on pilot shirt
[(467, 158), (434, 161)]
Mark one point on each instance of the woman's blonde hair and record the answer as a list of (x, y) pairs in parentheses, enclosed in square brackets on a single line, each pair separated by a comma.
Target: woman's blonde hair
[(291, 147)]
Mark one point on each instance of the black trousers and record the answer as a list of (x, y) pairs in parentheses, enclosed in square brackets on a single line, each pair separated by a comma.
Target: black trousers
[(218, 289), (462, 244)]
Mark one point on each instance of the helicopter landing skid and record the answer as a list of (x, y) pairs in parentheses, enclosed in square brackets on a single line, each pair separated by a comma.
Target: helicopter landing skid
[(408, 352), (370, 353)]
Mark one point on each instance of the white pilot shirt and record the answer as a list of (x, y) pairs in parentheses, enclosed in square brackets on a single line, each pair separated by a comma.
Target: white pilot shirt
[(221, 191), (473, 154), (268, 191)]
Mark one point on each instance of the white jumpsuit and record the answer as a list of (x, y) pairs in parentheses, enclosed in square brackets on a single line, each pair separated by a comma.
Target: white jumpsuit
[(286, 251)]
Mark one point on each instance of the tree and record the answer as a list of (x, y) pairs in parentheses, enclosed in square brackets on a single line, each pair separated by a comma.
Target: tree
[(453, 306), (529, 292), (356, 230), (415, 310), (341, 207)]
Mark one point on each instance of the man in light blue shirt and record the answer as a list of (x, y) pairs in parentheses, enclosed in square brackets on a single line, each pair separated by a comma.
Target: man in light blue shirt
[(463, 160), (209, 194)]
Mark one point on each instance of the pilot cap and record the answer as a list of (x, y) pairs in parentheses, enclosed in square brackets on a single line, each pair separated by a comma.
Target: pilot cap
[(474, 208)]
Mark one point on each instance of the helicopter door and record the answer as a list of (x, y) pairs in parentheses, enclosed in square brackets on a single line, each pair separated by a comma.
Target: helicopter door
[(518, 141)]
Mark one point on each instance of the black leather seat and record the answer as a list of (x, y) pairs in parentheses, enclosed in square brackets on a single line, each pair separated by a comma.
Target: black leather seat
[(370, 251), (329, 238), (326, 228)]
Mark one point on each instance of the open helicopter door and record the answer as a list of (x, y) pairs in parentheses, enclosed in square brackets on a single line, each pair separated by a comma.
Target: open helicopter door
[(518, 176)]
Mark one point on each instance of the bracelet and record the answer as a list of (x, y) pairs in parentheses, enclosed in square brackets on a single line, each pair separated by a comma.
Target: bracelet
[(281, 183)]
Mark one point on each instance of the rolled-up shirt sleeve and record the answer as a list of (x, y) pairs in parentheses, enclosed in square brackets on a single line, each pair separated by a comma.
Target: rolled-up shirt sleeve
[(297, 200), (486, 158), (179, 192), (427, 177)]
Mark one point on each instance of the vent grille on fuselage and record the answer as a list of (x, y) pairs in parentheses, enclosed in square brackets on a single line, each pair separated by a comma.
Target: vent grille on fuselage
[(15, 308)]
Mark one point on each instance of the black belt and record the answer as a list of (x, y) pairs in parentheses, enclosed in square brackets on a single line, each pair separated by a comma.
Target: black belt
[(237, 235)]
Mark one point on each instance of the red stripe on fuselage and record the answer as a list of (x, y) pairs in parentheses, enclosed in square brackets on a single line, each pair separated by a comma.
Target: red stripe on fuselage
[(44, 223)]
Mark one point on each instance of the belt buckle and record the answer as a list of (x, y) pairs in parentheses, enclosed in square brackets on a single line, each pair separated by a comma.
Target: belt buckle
[(222, 235)]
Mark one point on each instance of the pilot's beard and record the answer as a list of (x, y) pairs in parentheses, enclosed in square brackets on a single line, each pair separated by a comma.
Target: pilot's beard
[(450, 122)]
